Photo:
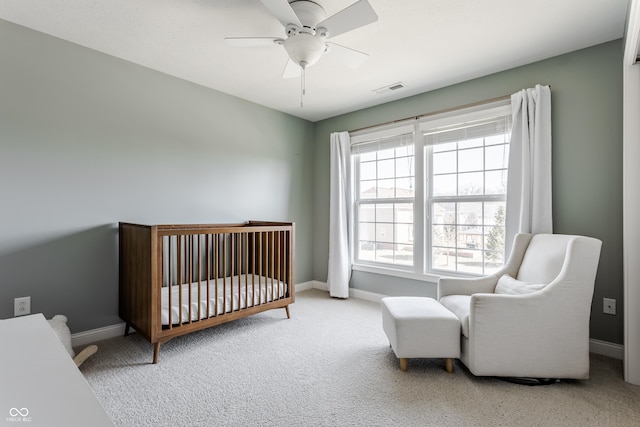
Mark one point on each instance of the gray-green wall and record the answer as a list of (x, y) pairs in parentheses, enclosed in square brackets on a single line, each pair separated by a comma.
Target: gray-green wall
[(87, 140), (586, 89)]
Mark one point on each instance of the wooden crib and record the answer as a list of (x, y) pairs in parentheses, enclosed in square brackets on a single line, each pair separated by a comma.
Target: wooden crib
[(177, 279)]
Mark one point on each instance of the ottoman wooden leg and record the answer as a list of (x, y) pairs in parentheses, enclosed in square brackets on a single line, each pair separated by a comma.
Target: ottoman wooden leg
[(403, 364), (449, 364)]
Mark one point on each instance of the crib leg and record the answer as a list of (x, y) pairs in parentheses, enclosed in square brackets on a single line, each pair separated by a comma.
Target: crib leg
[(156, 351), (286, 307), (126, 330)]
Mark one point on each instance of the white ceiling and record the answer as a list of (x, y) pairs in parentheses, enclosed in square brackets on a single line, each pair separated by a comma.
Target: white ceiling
[(426, 44)]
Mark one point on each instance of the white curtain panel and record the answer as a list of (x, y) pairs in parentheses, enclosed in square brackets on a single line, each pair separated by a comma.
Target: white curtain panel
[(339, 271), (529, 183)]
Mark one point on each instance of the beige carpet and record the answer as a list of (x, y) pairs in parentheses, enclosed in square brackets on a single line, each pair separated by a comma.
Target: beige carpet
[(331, 365)]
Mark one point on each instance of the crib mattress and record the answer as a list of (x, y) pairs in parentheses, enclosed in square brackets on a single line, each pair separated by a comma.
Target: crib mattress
[(234, 293)]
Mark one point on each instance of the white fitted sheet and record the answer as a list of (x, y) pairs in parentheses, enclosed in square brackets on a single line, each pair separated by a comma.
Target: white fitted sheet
[(234, 287)]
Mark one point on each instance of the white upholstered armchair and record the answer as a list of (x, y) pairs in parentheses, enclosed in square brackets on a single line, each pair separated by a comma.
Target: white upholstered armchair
[(531, 318)]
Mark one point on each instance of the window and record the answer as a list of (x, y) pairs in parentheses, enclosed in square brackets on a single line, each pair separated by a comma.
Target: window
[(430, 195), (385, 200)]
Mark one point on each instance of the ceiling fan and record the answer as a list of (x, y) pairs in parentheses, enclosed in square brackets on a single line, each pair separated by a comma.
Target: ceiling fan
[(306, 31)]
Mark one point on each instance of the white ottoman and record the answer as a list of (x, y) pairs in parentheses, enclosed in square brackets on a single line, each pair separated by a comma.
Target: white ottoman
[(420, 327)]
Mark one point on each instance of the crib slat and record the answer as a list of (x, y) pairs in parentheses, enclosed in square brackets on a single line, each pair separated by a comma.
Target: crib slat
[(272, 269), (216, 270), (179, 283), (260, 262), (170, 282), (224, 275), (199, 277), (189, 276), (253, 268), (208, 272)]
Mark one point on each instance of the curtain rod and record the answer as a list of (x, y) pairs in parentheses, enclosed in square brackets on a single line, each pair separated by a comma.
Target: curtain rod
[(446, 110)]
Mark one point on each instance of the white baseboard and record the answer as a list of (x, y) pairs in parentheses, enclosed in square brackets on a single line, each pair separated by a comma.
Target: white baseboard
[(366, 295), (605, 348), (81, 339), (305, 286)]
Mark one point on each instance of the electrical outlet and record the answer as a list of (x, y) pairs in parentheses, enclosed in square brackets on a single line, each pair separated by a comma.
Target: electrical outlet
[(21, 306), (609, 306)]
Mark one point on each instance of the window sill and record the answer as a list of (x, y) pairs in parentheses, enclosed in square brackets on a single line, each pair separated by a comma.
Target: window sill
[(431, 278), (396, 272)]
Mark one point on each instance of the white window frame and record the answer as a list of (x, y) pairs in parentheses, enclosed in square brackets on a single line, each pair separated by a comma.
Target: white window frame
[(421, 268)]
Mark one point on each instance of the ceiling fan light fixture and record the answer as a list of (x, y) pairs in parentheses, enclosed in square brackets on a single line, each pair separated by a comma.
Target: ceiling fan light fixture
[(304, 48)]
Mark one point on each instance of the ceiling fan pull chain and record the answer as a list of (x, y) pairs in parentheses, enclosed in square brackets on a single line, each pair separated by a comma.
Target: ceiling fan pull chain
[(302, 86)]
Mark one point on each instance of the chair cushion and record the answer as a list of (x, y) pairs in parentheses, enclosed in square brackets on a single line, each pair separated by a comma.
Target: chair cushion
[(460, 306), (509, 285)]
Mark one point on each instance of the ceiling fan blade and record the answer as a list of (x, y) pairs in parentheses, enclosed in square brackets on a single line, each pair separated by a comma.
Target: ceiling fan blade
[(355, 16), (350, 57), (282, 11), (253, 41), (291, 70)]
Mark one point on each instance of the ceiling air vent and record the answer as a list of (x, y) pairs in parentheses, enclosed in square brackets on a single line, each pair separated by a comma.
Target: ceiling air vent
[(390, 88)]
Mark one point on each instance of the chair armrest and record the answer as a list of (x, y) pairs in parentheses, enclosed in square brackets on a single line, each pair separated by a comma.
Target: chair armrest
[(463, 286)]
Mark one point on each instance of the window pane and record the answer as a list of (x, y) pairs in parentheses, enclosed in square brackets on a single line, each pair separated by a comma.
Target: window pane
[(384, 213), (403, 254), (470, 213), (404, 233), (444, 185), (469, 237), (404, 166), (384, 232), (386, 189), (386, 169), (444, 162), (367, 231), (470, 183), (443, 235), (444, 259), (470, 261), (404, 213), (367, 251), (386, 154), (367, 170), (366, 213), (494, 245), (368, 189), (405, 187), (496, 157), (470, 160), (494, 213), (443, 213), (406, 150), (496, 182)]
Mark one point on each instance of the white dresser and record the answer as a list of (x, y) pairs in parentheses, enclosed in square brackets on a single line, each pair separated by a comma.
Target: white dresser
[(40, 384)]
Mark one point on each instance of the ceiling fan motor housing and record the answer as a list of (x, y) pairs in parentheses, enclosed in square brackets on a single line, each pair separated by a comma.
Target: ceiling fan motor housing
[(304, 49)]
